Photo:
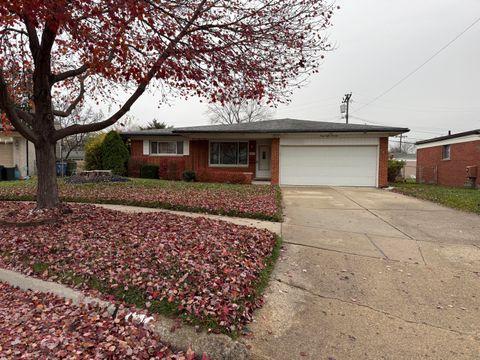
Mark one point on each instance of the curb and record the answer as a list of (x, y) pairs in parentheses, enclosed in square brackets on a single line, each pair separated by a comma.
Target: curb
[(216, 347)]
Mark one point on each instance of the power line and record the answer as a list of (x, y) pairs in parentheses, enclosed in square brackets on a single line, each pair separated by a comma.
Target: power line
[(422, 65)]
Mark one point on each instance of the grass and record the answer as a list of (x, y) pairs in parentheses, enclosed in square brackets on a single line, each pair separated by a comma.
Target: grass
[(119, 193), (456, 198)]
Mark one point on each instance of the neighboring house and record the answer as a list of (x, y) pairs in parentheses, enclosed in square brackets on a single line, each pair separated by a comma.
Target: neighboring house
[(15, 150), (286, 152), (446, 160), (409, 171)]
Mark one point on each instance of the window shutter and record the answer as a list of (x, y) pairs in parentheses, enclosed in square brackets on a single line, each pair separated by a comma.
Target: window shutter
[(146, 147)]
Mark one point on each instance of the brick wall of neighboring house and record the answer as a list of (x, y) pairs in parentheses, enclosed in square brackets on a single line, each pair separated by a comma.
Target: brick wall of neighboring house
[(275, 163), (383, 163), (432, 169), (172, 167)]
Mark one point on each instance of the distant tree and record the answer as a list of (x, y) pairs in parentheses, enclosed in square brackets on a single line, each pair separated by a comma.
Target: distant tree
[(75, 142), (156, 124), (243, 111), (114, 153), (407, 148)]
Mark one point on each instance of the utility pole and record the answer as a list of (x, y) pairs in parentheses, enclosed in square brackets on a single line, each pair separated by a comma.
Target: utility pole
[(346, 101)]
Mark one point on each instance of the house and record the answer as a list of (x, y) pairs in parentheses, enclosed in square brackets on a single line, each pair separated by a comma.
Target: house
[(285, 151), (452, 160), (15, 150), (409, 171)]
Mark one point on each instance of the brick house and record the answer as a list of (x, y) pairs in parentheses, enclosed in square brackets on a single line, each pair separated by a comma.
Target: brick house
[(285, 151), (452, 160)]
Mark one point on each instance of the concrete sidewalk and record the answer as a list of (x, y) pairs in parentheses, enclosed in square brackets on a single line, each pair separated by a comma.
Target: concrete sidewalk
[(369, 274)]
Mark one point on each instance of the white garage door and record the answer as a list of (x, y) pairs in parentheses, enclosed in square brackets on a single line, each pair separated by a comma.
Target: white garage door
[(6, 154), (328, 165)]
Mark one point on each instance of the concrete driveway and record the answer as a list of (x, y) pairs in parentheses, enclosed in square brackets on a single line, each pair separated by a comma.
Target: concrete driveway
[(369, 274)]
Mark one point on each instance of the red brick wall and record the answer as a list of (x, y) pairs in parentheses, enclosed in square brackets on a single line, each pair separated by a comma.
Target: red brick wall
[(196, 161), (275, 163), (431, 168), (383, 163)]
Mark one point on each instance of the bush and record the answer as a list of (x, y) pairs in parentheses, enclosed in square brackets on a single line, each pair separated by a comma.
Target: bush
[(93, 152), (394, 169), (114, 154), (189, 175), (149, 171)]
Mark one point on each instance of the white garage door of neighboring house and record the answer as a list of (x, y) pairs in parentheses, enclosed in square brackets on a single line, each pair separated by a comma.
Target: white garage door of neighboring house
[(329, 165), (6, 154)]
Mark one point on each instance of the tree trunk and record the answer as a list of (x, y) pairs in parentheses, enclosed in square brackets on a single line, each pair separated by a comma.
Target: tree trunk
[(47, 189)]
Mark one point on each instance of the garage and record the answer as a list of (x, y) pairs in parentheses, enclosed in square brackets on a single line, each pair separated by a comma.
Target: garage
[(329, 165), (6, 154)]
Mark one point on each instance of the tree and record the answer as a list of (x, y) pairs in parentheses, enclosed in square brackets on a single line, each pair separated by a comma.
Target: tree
[(114, 153), (77, 141), (238, 112), (156, 124), (217, 49)]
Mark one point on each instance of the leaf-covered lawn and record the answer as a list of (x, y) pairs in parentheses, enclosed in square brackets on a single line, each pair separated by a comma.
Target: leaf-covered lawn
[(208, 272), (42, 326), (457, 198), (253, 201)]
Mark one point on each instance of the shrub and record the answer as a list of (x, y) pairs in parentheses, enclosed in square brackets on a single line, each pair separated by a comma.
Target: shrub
[(93, 152), (149, 171), (394, 169), (114, 154), (188, 175)]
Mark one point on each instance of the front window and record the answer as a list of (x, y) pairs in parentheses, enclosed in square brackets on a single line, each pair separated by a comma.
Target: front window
[(446, 152), (166, 147), (229, 153)]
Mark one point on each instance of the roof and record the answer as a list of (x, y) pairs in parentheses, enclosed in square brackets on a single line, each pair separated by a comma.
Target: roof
[(447, 137), (275, 126)]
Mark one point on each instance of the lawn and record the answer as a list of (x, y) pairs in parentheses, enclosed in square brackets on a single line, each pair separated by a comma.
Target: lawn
[(43, 326), (457, 198), (207, 272), (251, 201)]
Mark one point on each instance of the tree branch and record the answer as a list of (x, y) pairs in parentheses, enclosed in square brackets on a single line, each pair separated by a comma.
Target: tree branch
[(7, 106), (68, 74), (74, 104), (32, 36), (77, 129)]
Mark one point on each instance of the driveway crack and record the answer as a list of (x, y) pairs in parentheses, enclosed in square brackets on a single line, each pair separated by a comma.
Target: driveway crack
[(385, 313), (386, 222)]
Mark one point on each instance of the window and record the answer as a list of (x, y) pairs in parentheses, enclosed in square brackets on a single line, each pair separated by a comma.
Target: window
[(166, 147), (446, 152), (229, 153)]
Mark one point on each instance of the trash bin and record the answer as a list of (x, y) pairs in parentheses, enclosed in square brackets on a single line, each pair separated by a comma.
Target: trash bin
[(71, 168), (9, 173), (1, 172), (61, 168)]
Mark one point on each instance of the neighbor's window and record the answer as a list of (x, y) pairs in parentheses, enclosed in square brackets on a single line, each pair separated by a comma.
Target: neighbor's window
[(446, 152), (229, 153), (166, 147)]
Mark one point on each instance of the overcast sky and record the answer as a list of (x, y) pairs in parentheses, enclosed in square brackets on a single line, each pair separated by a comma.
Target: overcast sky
[(378, 42)]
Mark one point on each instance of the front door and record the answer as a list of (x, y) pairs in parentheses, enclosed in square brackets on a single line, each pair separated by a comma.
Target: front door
[(264, 170)]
